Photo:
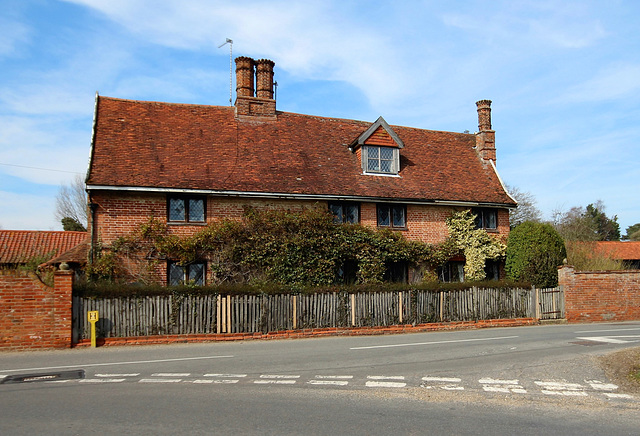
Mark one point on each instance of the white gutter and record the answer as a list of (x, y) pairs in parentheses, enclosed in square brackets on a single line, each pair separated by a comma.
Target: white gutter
[(281, 195)]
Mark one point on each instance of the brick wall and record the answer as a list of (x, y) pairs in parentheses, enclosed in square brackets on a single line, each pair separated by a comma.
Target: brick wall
[(600, 295), (33, 315), (119, 214)]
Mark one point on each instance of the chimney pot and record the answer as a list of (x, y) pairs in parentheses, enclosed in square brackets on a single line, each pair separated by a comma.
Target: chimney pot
[(244, 76), (264, 78), (484, 115)]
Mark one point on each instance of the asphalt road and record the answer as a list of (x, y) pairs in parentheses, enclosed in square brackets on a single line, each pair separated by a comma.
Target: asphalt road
[(527, 380)]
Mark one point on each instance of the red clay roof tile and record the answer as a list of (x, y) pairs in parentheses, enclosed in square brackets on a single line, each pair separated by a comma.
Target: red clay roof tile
[(183, 146), (19, 246)]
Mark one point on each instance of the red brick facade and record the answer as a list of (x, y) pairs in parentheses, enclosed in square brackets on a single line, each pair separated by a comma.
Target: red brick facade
[(600, 295), (33, 315)]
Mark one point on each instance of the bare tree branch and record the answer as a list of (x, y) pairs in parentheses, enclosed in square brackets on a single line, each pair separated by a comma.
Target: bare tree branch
[(71, 201)]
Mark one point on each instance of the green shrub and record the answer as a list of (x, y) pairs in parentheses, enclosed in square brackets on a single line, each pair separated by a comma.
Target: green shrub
[(534, 252)]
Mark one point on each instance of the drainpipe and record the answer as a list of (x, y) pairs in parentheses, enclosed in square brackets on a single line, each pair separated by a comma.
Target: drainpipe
[(92, 207)]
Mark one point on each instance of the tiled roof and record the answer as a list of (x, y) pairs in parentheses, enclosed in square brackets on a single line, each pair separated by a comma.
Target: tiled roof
[(19, 246), (182, 146), (627, 250)]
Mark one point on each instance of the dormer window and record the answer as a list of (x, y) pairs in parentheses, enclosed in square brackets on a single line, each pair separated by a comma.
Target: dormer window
[(379, 148), (380, 159)]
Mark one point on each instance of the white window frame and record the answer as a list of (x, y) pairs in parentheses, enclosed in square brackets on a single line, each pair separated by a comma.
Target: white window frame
[(395, 161)]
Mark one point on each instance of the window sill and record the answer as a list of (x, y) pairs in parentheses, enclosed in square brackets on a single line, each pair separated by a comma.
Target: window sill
[(365, 173), (181, 223)]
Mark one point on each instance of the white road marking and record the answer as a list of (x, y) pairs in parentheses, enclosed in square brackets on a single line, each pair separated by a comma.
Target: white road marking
[(117, 375), (160, 380), (171, 374), (611, 330), (134, 362), (612, 339), (383, 384), (337, 377), (275, 382), (380, 381), (58, 381), (602, 386), (432, 343), (226, 375), (279, 376), (445, 383), (504, 386), (385, 377), (328, 382), (102, 380), (614, 395), (561, 388), (442, 379), (214, 381)]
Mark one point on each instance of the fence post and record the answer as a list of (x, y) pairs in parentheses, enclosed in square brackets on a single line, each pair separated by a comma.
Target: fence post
[(441, 305), (353, 310), (400, 307), (536, 292), (295, 312), (228, 313)]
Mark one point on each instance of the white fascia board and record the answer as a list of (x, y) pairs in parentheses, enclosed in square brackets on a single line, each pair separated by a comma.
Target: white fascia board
[(287, 196)]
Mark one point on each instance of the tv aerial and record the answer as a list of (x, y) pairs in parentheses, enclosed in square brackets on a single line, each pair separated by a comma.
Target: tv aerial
[(230, 42)]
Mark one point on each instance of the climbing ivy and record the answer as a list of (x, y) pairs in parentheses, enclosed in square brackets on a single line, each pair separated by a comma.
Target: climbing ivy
[(476, 244), (300, 248)]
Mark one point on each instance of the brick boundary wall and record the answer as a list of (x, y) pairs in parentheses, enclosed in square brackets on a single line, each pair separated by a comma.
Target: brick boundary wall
[(311, 333), (592, 296), (32, 314)]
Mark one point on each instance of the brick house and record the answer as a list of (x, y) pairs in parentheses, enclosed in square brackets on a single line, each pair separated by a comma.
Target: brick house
[(193, 164)]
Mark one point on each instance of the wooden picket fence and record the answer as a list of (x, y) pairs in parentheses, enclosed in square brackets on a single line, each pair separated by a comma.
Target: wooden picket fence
[(161, 315)]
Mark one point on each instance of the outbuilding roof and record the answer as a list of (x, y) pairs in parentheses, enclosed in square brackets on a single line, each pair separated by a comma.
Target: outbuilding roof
[(20, 246), (166, 146)]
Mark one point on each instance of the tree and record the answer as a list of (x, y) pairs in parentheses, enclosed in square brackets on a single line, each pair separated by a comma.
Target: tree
[(633, 232), (588, 224), (71, 202), (71, 225), (526, 210), (534, 252)]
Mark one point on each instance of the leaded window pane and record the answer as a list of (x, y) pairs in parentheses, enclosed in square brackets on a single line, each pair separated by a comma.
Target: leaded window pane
[(196, 209), (336, 210), (196, 274), (383, 215), (351, 214), (176, 209), (398, 217), (386, 153), (373, 152), (490, 219), (176, 274), (373, 164), (385, 166)]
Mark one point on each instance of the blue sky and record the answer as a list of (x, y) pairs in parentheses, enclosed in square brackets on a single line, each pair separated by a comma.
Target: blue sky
[(564, 77)]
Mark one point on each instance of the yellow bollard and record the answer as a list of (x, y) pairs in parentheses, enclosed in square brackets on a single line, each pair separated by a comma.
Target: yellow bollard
[(92, 315)]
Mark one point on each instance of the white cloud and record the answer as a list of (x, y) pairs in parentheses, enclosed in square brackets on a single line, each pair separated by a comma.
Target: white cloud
[(13, 34)]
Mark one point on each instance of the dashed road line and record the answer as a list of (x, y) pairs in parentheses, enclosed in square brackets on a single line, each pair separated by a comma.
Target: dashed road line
[(102, 380), (160, 380), (381, 381), (445, 383), (503, 386), (171, 374), (561, 388)]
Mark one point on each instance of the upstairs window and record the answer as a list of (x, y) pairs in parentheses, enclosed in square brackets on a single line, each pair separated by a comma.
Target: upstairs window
[(392, 215), (380, 160), (186, 209), (486, 219), (345, 212), (192, 273)]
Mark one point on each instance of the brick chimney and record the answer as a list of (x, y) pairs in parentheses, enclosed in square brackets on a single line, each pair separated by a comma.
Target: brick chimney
[(485, 138), (248, 102), (244, 76)]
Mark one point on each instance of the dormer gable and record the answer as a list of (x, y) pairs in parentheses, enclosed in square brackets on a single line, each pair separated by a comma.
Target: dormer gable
[(379, 149)]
